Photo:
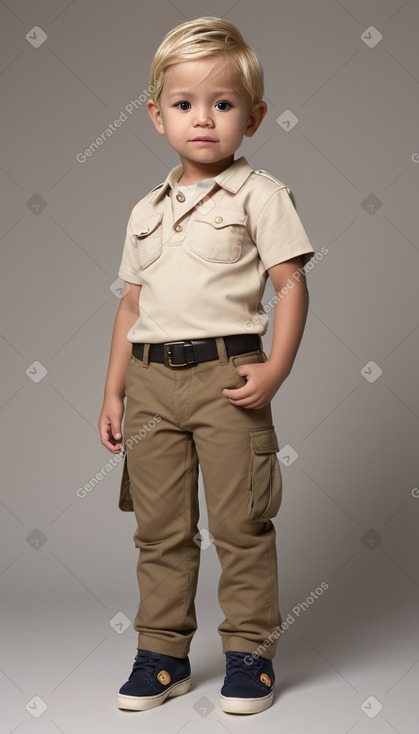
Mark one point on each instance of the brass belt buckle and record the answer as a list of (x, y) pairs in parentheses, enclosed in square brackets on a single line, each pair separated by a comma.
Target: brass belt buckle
[(168, 354)]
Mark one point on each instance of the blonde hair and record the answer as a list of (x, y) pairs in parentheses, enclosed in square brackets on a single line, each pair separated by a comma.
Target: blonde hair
[(201, 37)]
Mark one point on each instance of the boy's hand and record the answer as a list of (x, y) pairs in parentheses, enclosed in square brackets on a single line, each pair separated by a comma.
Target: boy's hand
[(110, 424), (263, 381)]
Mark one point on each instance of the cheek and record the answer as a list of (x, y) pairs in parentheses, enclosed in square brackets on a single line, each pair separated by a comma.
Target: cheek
[(174, 125), (235, 126), (171, 129), (235, 132)]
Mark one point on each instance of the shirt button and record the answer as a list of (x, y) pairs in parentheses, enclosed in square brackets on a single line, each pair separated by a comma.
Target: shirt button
[(178, 228), (218, 220), (180, 197)]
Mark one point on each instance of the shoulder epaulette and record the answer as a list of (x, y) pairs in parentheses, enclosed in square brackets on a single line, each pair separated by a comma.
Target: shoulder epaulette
[(272, 178)]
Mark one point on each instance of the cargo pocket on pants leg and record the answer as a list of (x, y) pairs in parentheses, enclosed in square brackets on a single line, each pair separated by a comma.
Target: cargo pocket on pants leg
[(125, 499), (265, 494)]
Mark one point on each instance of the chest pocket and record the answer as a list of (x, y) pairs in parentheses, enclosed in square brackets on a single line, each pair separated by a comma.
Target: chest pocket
[(148, 232), (218, 235)]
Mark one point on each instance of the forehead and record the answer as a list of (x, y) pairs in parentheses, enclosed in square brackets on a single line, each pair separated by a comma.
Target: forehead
[(207, 72)]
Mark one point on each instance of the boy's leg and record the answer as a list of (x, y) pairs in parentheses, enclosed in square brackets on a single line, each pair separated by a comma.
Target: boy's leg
[(163, 478), (243, 489)]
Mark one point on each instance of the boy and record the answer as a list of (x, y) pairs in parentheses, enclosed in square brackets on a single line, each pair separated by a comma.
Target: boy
[(187, 353)]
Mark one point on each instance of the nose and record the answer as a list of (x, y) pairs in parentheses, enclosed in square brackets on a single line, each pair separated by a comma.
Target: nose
[(203, 118)]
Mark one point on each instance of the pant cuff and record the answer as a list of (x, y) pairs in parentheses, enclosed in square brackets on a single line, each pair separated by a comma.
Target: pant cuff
[(240, 644), (163, 647)]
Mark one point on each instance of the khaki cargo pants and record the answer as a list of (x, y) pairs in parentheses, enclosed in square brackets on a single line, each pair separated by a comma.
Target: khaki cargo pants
[(175, 420)]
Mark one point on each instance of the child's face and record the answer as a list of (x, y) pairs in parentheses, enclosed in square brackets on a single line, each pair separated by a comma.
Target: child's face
[(205, 98)]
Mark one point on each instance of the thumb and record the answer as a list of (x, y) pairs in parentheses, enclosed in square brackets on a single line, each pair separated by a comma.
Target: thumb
[(116, 429)]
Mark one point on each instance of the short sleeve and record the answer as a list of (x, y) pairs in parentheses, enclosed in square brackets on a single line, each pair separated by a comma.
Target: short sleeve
[(129, 269), (279, 233)]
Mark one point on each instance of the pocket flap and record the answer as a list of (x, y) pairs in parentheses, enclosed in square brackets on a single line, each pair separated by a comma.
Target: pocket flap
[(147, 225), (265, 494), (223, 217), (264, 440)]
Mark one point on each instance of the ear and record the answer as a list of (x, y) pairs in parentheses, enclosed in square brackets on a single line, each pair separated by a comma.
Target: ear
[(255, 118), (155, 114)]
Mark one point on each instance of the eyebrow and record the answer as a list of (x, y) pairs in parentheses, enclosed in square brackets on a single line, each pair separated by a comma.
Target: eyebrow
[(189, 93)]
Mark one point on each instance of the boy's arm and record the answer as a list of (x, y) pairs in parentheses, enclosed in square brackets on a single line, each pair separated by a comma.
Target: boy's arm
[(263, 380), (290, 314), (121, 349)]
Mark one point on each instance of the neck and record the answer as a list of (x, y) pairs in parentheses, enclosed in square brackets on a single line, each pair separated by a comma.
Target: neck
[(192, 173)]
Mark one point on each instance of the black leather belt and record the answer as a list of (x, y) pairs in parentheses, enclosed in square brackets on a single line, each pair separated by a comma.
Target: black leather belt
[(188, 352)]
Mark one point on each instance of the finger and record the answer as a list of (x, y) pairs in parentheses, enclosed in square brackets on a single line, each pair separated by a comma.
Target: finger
[(236, 392), (116, 429), (104, 431), (115, 448), (106, 438), (245, 402), (112, 447)]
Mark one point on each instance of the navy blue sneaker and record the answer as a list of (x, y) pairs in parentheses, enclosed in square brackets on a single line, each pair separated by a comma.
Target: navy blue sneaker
[(249, 684), (154, 678)]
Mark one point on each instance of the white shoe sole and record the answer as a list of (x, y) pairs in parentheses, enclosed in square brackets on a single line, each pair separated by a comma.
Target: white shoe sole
[(246, 705), (143, 703)]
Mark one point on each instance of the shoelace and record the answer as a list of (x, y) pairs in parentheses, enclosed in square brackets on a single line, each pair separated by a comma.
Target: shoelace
[(237, 665), (145, 661)]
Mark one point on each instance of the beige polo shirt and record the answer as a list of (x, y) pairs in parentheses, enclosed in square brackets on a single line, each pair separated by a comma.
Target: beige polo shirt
[(201, 253)]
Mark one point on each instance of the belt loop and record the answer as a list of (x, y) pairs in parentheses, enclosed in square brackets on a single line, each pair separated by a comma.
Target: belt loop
[(222, 351), (145, 360)]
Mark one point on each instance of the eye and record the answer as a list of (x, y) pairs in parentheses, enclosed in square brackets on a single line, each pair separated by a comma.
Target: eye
[(183, 105), (224, 106)]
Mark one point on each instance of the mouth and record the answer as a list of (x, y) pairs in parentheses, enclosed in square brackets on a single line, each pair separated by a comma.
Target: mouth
[(203, 139)]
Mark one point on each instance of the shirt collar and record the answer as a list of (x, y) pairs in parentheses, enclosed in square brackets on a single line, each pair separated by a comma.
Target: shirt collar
[(231, 179)]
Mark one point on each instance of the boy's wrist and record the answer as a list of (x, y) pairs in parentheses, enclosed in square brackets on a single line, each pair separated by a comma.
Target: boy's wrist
[(112, 393), (278, 369)]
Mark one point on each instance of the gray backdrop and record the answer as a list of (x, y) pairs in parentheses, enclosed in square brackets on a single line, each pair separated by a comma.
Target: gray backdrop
[(342, 83)]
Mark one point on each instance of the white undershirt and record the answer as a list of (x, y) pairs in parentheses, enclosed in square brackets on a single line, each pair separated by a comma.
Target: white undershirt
[(189, 189)]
